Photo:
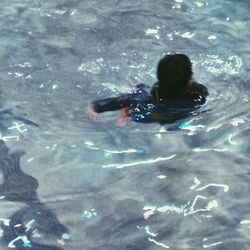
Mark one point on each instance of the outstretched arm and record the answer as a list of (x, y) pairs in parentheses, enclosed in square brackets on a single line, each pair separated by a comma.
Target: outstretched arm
[(112, 104)]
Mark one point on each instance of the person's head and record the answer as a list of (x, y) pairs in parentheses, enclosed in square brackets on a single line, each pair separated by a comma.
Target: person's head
[(174, 73)]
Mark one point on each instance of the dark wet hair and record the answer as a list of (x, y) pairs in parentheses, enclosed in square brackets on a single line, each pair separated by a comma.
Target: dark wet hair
[(173, 72)]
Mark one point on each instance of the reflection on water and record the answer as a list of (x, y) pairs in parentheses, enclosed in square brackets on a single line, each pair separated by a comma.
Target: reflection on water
[(34, 224), (145, 186)]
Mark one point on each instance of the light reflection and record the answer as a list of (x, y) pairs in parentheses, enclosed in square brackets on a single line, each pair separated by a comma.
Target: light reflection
[(237, 121), (199, 4), (151, 210), (192, 129), (6, 222), (29, 225), (148, 231), (109, 153), (10, 138), (210, 205), (154, 32), (53, 147), (185, 210), (197, 182), (217, 64), (212, 245), (147, 228), (128, 151), (212, 37), (150, 161), (245, 222), (20, 127), (225, 187), (209, 149), (161, 177), (26, 242), (24, 65), (158, 243), (89, 214), (176, 6), (213, 128), (187, 34), (190, 207)]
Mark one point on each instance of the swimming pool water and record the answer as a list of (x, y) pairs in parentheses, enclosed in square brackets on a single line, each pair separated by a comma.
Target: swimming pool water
[(144, 186)]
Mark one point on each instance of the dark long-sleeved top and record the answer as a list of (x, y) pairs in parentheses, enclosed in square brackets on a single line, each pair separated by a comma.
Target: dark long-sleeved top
[(145, 104)]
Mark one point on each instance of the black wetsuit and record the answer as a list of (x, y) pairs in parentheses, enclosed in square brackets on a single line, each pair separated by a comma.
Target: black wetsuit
[(146, 105)]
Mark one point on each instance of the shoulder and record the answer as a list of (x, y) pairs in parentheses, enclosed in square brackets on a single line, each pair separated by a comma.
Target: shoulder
[(141, 91)]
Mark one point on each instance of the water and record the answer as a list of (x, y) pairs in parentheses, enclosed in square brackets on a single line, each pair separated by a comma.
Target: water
[(94, 185)]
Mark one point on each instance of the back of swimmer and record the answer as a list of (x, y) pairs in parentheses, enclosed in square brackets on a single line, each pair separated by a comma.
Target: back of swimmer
[(174, 96)]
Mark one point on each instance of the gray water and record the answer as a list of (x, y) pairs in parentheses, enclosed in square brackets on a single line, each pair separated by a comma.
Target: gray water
[(143, 186)]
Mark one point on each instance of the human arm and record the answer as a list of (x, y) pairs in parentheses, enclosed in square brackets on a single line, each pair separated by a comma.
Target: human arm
[(108, 104)]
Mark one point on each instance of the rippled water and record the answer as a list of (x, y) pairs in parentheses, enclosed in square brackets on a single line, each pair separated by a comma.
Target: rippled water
[(143, 186)]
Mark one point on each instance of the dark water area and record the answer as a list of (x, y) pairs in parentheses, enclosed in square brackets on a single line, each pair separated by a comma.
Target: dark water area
[(72, 183)]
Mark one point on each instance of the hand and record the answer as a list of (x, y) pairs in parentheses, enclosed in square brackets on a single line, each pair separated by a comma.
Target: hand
[(123, 119), (92, 114)]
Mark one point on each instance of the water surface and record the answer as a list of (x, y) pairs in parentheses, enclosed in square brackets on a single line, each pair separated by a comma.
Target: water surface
[(143, 186)]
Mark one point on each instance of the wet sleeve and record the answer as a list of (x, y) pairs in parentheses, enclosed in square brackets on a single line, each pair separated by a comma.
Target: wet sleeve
[(111, 104)]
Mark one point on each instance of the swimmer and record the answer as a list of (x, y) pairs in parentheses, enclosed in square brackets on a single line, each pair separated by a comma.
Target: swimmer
[(174, 96)]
